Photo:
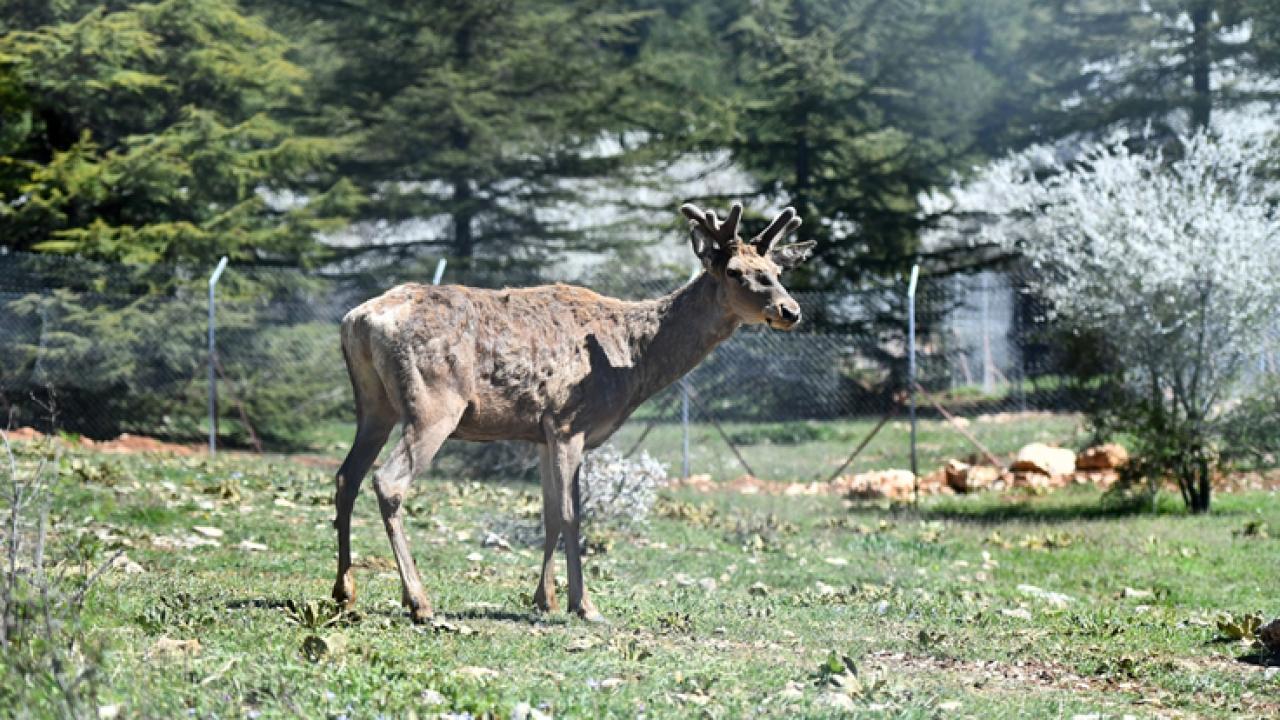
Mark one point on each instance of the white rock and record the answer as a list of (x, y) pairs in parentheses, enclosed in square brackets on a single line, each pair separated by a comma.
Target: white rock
[(1046, 460), (837, 701)]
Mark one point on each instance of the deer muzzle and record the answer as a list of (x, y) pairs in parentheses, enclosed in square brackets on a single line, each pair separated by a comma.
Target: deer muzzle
[(783, 314)]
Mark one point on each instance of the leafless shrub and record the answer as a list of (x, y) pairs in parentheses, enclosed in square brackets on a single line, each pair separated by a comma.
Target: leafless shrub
[(46, 666), (619, 490)]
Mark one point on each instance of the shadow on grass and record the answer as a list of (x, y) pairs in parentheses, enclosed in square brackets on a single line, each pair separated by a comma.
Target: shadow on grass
[(1260, 659), (513, 616), (1065, 506)]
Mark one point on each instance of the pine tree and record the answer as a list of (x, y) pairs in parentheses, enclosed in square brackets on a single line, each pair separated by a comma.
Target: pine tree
[(155, 133), (472, 119), (1168, 63), (852, 108)]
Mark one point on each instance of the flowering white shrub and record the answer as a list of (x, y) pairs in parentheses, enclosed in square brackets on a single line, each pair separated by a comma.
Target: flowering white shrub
[(618, 489), (1170, 257)]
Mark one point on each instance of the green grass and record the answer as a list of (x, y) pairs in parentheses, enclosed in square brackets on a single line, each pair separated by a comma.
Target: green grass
[(809, 450), (926, 606)]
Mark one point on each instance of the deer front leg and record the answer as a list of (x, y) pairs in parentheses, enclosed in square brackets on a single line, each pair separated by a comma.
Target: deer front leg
[(566, 460), (544, 598), (579, 601)]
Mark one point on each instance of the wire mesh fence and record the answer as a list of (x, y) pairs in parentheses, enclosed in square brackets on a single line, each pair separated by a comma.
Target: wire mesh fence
[(106, 349)]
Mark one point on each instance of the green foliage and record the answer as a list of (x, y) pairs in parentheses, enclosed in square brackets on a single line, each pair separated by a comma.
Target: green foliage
[(1251, 430), (841, 114), (477, 114), (156, 133), (1169, 63), (102, 365)]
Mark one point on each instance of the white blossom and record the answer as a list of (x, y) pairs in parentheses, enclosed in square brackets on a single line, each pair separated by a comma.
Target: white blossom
[(1173, 256)]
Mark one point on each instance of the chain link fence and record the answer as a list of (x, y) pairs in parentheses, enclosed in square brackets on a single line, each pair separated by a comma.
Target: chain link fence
[(102, 350)]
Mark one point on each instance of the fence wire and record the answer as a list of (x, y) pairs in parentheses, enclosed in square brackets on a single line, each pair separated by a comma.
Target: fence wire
[(104, 349)]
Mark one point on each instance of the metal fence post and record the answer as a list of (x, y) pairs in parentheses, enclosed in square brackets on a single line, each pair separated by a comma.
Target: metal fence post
[(439, 271), (684, 427), (213, 376), (911, 375)]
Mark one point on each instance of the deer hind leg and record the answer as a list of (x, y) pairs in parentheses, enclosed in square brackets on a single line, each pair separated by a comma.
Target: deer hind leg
[(375, 418), (425, 430), (371, 435), (544, 598)]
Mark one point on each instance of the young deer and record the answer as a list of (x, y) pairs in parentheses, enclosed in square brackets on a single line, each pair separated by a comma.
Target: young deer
[(557, 365)]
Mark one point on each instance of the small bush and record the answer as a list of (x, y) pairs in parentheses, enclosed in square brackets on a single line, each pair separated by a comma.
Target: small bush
[(619, 490)]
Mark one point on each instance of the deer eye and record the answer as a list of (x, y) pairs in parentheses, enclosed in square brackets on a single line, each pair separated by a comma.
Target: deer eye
[(734, 273)]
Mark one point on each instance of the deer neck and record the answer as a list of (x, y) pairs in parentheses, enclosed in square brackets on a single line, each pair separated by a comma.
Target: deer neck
[(676, 332)]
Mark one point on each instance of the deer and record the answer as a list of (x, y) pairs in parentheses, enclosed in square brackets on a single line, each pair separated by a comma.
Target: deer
[(558, 366)]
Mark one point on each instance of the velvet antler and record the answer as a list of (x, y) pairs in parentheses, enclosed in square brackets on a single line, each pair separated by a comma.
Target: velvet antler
[(781, 226), (723, 234)]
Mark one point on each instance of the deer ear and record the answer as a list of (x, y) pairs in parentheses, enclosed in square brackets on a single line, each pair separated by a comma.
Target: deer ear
[(789, 256)]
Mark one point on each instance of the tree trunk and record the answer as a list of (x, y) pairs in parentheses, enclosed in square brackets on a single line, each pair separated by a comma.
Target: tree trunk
[(464, 243), (1201, 62)]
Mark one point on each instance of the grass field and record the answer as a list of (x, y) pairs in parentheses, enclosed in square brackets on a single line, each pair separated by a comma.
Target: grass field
[(722, 606), (808, 450)]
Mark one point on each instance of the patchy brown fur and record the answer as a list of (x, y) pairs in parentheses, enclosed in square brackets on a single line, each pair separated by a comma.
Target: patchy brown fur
[(556, 365)]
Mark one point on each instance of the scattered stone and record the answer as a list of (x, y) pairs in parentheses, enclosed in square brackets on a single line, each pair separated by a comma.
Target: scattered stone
[(707, 584), (837, 701), (891, 484), (171, 647), (251, 546), (525, 711), (109, 712), (1046, 460), (793, 691), (474, 672), (581, 644), (1056, 599), (683, 580), (758, 590), (1133, 594), (494, 540), (209, 532), (1019, 613), (475, 557), (127, 566), (1110, 456), (431, 697)]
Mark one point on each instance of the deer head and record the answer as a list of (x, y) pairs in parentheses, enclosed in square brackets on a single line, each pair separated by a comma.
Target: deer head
[(747, 273)]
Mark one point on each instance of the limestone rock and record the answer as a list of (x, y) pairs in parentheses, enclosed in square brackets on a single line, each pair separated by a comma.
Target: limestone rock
[(1110, 456), (1046, 460)]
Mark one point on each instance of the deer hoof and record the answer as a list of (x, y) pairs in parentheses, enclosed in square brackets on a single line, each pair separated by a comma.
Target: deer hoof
[(545, 603), (590, 615), (421, 615), (344, 592)]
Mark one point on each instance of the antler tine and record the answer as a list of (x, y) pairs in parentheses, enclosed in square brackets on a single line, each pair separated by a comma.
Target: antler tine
[(723, 233), (781, 226), (729, 231), (713, 223), (694, 213)]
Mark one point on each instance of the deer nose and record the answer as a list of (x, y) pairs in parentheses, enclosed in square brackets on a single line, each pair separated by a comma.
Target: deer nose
[(790, 312)]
